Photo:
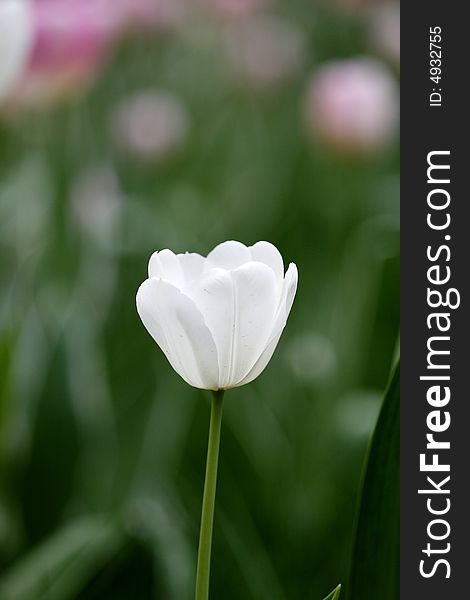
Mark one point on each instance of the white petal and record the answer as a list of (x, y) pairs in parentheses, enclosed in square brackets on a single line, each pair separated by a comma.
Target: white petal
[(166, 265), (214, 295), (228, 255), (290, 287), (16, 37), (257, 304), (268, 254), (239, 307), (288, 295), (192, 265), (175, 323)]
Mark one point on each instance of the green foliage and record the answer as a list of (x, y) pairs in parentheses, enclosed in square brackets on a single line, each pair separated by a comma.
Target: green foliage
[(375, 566), (335, 594), (60, 567)]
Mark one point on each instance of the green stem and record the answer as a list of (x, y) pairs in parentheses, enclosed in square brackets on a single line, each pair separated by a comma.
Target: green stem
[(208, 500)]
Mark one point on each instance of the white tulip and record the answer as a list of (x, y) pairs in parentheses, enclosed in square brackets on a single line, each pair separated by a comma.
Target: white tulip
[(218, 319), (16, 35)]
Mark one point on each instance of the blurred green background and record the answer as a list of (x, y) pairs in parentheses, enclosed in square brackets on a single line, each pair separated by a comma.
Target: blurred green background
[(102, 445)]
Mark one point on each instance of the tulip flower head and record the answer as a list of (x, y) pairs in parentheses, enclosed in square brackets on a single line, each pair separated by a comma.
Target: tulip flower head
[(218, 319)]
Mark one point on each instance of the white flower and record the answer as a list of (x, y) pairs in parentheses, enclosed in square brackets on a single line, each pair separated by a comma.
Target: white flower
[(16, 34), (218, 319)]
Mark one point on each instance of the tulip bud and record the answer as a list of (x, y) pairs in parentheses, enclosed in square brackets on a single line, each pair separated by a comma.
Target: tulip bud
[(352, 105), (150, 126), (16, 34), (218, 319)]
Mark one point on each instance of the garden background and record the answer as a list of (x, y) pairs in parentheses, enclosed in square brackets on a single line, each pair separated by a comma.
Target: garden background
[(189, 128)]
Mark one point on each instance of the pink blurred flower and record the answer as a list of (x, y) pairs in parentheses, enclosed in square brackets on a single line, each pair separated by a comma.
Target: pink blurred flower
[(265, 52), (71, 39), (150, 126), (71, 33), (384, 30), (352, 105)]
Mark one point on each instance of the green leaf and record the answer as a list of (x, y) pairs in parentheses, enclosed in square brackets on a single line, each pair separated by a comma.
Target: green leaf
[(375, 565), (334, 594), (59, 567)]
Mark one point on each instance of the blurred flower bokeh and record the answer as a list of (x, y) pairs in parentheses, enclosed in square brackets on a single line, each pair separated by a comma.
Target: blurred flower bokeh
[(352, 105), (127, 126)]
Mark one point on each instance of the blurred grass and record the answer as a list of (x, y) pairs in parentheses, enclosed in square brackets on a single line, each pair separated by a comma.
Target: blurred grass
[(94, 423)]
